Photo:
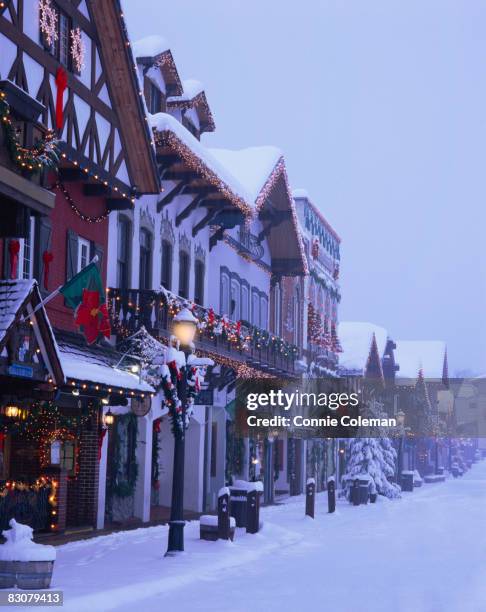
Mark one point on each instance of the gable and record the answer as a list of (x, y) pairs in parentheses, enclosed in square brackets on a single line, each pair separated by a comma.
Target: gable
[(110, 94)]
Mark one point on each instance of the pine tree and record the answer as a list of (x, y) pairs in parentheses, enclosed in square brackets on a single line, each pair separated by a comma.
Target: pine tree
[(367, 457)]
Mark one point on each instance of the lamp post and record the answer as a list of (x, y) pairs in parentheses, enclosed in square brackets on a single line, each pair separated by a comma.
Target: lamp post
[(184, 330), (400, 422)]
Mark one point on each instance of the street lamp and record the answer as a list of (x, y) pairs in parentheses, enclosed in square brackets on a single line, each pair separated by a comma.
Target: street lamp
[(184, 329), (400, 416)]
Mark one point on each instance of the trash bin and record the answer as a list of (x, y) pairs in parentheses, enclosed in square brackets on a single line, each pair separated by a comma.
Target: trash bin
[(364, 490), (238, 506), (406, 481), (354, 493)]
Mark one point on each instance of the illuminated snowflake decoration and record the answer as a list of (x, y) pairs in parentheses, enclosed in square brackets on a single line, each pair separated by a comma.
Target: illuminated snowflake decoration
[(78, 49), (48, 21)]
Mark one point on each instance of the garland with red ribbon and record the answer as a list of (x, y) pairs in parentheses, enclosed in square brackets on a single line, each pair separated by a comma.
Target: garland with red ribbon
[(101, 437)]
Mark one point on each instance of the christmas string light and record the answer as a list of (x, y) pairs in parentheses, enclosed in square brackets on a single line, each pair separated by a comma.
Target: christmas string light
[(78, 49), (75, 209), (48, 21), (168, 139)]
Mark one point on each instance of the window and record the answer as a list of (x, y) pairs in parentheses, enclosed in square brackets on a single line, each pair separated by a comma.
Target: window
[(277, 309), (263, 312), (25, 265), (68, 457), (199, 282), (123, 253), (235, 306), (255, 307), (166, 270), (184, 274), (83, 253), (64, 29), (145, 278), (296, 317), (60, 48), (155, 99), (224, 292), (245, 295)]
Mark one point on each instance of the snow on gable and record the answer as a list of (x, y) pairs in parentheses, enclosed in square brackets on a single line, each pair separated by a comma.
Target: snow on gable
[(197, 153), (413, 355), (252, 166), (13, 294), (356, 339), (150, 46)]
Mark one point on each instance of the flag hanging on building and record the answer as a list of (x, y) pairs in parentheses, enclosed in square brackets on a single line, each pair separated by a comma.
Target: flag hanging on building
[(85, 294)]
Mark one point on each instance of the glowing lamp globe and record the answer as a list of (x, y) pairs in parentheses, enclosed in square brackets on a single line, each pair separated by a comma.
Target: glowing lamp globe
[(12, 411), (184, 326), (109, 418)]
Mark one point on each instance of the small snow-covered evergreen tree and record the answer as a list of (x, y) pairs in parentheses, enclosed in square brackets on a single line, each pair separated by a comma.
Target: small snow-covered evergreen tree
[(370, 457)]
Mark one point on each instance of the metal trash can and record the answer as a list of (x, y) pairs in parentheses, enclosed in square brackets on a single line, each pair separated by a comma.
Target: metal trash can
[(406, 481), (238, 505), (354, 493), (364, 490)]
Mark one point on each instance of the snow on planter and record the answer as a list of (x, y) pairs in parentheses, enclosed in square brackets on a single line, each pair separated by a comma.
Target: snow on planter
[(248, 486), (223, 491), (24, 563), (311, 481), (211, 520)]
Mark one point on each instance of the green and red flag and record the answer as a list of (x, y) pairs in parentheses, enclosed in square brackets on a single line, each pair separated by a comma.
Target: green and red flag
[(85, 294)]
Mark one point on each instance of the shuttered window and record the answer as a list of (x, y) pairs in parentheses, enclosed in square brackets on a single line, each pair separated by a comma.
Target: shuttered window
[(166, 269)]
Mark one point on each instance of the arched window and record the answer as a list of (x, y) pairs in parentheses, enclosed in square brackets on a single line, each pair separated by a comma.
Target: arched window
[(224, 292), (235, 305), (255, 307), (145, 278), (123, 253), (277, 309), (166, 268), (199, 272), (184, 274), (297, 317), (263, 311)]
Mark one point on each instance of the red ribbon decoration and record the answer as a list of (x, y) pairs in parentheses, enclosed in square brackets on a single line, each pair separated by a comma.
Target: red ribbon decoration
[(13, 250), (61, 84), (101, 437), (157, 423), (3, 435), (47, 258)]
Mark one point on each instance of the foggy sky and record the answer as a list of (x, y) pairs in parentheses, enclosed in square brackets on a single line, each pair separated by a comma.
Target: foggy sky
[(379, 108)]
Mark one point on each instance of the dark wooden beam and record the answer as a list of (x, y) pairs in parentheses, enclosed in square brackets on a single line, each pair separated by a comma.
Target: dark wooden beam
[(118, 204), (175, 175), (167, 160), (215, 238), (188, 209), (96, 189), (204, 221), (201, 189), (173, 193)]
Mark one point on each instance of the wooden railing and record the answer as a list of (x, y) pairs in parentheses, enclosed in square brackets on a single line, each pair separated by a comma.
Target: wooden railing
[(130, 309)]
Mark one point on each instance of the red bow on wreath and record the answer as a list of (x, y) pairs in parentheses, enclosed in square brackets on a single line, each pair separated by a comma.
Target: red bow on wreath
[(211, 317), (61, 83), (92, 317), (13, 251), (101, 437), (47, 258)]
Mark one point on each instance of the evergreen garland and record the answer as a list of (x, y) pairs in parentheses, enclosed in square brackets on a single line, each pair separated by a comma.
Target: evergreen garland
[(123, 487), (43, 155)]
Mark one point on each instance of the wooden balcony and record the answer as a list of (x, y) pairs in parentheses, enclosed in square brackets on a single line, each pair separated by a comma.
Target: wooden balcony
[(130, 309)]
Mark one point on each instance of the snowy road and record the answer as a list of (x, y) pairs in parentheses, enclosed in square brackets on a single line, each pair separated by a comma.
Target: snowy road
[(423, 553)]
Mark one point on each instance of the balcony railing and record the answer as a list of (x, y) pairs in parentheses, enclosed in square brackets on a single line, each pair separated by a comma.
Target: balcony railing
[(130, 309)]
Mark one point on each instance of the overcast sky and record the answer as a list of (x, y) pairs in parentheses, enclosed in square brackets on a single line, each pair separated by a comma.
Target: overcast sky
[(379, 108)]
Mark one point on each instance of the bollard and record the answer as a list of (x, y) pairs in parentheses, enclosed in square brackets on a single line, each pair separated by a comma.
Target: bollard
[(331, 495), (310, 497), (224, 530), (355, 497), (252, 518)]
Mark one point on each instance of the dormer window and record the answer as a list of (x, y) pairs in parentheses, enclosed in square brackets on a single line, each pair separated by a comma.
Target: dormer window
[(56, 33)]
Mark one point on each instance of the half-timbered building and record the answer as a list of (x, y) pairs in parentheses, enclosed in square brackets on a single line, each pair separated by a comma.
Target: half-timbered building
[(74, 147)]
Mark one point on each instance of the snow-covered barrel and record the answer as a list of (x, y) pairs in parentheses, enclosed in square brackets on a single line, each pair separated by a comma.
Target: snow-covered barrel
[(23, 563)]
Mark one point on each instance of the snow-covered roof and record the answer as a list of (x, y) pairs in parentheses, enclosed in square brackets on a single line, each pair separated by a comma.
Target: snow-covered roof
[(13, 294), (252, 166), (191, 88), (413, 355), (150, 46), (93, 366), (195, 154), (356, 339)]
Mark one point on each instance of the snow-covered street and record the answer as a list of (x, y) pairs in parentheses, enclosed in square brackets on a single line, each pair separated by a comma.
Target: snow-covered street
[(425, 552)]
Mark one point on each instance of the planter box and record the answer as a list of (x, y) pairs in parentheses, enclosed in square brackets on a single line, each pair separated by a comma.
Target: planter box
[(26, 574), (434, 478)]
